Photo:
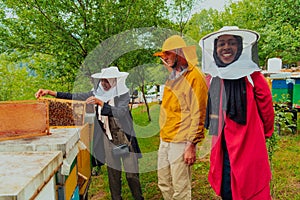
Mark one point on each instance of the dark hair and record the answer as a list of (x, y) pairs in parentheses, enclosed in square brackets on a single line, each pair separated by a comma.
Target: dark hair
[(219, 63)]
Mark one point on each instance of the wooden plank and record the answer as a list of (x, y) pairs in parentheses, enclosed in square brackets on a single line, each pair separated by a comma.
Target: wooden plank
[(23, 119), (84, 159), (85, 135), (71, 183), (84, 170)]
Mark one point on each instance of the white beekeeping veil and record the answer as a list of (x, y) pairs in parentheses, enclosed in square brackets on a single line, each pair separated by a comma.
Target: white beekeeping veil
[(245, 65)]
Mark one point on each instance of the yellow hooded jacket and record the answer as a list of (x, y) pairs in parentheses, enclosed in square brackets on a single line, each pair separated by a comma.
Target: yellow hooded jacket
[(183, 107)]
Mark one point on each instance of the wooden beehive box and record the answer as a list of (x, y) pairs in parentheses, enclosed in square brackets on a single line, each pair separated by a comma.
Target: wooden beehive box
[(23, 119), (65, 113)]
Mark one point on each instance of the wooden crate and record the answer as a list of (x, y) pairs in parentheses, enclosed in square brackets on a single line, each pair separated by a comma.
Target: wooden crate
[(65, 113), (84, 160), (23, 119)]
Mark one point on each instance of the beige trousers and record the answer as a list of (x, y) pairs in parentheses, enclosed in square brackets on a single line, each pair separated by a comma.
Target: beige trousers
[(174, 176)]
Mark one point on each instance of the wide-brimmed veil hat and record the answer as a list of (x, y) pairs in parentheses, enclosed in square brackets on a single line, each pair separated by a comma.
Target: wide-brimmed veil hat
[(111, 73), (249, 36), (243, 66), (177, 42)]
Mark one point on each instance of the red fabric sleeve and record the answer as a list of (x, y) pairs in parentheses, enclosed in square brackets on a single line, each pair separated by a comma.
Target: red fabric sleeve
[(263, 97)]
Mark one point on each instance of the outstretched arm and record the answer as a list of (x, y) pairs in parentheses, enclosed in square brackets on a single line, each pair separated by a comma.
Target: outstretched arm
[(43, 92)]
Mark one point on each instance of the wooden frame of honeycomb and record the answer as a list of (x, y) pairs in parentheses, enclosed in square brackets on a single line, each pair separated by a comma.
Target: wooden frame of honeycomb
[(23, 119), (65, 113)]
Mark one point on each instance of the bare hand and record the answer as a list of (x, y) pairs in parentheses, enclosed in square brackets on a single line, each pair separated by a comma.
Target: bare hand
[(41, 92), (190, 154), (94, 100)]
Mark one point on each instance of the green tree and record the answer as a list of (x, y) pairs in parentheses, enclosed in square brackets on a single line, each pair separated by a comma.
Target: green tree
[(201, 24), (281, 33), (22, 76), (180, 11), (276, 21), (12, 73), (69, 30)]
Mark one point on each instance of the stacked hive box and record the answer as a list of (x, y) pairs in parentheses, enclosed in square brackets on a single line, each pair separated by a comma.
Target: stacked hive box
[(26, 174), (282, 90), (296, 100), (296, 93), (64, 140), (65, 121), (29, 175), (67, 114)]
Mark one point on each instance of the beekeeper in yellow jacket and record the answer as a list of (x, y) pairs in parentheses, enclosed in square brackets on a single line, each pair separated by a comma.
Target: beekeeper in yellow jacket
[(182, 118)]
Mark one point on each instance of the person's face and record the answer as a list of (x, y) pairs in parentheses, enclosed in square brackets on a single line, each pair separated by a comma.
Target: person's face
[(169, 58), (105, 84), (227, 47)]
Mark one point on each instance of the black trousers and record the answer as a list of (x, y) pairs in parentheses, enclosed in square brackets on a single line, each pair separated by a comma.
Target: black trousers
[(115, 166), (115, 184), (226, 193)]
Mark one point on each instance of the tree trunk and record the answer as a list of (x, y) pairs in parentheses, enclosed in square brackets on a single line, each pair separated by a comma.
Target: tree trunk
[(146, 103)]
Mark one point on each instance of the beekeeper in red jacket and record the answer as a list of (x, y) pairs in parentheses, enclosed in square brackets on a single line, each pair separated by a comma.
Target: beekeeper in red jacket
[(240, 115)]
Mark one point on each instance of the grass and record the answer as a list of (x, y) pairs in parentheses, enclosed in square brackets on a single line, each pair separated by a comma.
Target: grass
[(285, 166), (286, 169)]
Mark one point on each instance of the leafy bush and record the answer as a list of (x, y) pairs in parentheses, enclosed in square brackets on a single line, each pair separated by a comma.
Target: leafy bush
[(284, 123)]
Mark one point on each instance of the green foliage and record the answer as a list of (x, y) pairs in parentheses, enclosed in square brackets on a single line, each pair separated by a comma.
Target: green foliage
[(276, 21), (285, 116), (67, 31), (180, 11), (15, 81), (21, 76), (281, 32), (272, 144), (284, 124), (201, 24), (59, 35)]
